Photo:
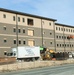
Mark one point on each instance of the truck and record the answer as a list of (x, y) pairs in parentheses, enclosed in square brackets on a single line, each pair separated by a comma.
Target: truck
[(26, 53)]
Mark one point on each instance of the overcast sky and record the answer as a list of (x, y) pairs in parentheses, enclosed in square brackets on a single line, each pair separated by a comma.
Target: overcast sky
[(62, 10)]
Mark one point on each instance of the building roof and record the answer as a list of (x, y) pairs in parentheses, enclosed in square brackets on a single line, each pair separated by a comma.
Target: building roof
[(22, 13), (64, 25)]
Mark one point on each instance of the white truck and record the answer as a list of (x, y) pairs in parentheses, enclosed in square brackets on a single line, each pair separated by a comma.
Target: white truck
[(26, 53)]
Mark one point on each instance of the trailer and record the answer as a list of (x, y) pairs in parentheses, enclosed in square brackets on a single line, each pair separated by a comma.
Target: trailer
[(26, 53)]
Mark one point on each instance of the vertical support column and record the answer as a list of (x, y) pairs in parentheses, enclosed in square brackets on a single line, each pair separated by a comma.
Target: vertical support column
[(42, 32), (17, 33)]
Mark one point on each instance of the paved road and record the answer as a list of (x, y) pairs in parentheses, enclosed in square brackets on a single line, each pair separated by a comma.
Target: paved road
[(67, 69)]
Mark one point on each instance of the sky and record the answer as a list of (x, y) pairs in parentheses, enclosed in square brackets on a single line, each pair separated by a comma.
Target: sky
[(62, 10)]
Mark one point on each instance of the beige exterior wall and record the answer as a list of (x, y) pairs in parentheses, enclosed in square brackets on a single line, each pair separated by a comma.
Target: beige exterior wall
[(37, 21), (8, 19), (67, 32), (58, 31), (66, 28), (46, 24)]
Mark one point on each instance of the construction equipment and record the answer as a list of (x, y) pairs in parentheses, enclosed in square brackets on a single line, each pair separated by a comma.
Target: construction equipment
[(48, 54), (70, 37)]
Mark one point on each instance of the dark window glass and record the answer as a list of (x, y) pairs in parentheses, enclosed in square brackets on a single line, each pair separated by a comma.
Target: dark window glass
[(69, 30), (57, 45), (14, 41), (5, 41), (50, 24), (60, 45), (56, 28), (5, 53), (57, 36), (19, 30), (59, 28), (50, 33), (13, 18), (23, 19), (14, 30), (19, 19), (4, 16), (19, 42), (30, 21), (64, 29), (50, 42), (23, 30), (24, 42), (4, 28)]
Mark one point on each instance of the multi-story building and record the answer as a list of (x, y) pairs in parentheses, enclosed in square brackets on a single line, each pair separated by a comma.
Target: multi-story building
[(21, 29), (62, 41)]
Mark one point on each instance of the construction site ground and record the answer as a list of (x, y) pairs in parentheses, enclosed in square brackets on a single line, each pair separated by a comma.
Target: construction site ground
[(21, 65)]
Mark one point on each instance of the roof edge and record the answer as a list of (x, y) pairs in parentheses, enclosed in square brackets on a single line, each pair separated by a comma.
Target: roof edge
[(22, 13), (64, 25)]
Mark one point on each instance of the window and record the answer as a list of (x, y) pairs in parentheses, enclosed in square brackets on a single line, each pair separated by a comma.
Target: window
[(57, 36), (5, 40), (30, 21), (19, 30), (57, 45), (63, 45), (50, 24), (70, 45), (51, 43), (69, 30), (31, 43), (23, 30), (50, 33), (4, 16), (4, 27), (23, 19), (24, 42), (56, 28), (13, 18), (60, 45), (14, 29), (62, 37), (18, 19), (14, 41), (67, 45), (31, 32), (19, 41), (5, 52), (64, 29), (59, 28)]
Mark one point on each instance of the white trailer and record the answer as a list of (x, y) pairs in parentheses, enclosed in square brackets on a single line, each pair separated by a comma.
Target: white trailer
[(26, 52)]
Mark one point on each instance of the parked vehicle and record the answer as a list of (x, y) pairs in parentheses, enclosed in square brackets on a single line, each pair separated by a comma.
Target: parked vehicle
[(26, 53)]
